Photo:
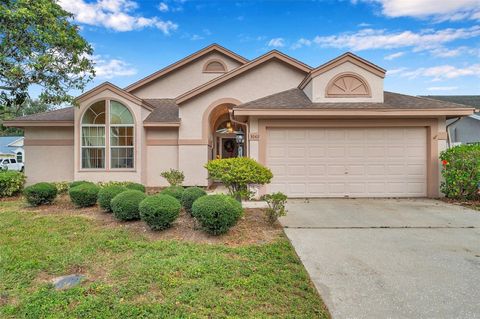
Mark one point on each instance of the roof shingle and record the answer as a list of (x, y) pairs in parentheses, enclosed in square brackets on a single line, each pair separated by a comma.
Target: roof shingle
[(165, 110)]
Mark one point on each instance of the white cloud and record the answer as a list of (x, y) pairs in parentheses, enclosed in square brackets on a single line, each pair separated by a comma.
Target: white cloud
[(453, 10), (363, 25), (276, 43), (442, 88), (109, 68), (301, 43), (114, 14), (440, 72), (196, 37), (381, 39), (163, 7), (394, 55), (396, 71)]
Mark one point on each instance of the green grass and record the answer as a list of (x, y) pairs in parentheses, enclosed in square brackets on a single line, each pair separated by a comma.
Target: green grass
[(130, 276)]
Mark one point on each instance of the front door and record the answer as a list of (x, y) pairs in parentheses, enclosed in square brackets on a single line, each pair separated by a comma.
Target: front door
[(229, 147)]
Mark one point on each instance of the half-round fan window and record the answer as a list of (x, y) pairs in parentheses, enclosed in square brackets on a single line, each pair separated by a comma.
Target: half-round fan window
[(214, 66), (348, 85)]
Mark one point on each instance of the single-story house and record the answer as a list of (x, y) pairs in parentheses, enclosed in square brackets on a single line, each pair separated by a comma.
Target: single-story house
[(12, 146), (462, 130), (326, 131)]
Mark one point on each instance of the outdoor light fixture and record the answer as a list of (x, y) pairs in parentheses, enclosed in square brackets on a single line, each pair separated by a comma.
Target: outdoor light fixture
[(240, 139)]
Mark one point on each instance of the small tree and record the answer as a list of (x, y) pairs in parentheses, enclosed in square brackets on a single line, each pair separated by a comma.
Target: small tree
[(276, 206), (238, 174), (461, 171), (174, 177)]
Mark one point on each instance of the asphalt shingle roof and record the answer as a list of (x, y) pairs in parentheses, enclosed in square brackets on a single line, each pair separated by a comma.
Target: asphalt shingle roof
[(64, 114), (165, 110), (296, 99), (472, 100)]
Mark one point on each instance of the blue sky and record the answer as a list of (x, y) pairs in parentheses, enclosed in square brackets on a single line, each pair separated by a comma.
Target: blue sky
[(427, 46)]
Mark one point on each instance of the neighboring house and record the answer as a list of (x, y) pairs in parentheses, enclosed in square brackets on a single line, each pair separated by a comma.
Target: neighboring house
[(12, 146), (329, 131), (465, 130)]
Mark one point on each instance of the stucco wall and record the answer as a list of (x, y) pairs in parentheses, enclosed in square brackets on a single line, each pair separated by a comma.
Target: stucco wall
[(319, 85), (48, 157), (183, 79), (160, 156), (135, 175)]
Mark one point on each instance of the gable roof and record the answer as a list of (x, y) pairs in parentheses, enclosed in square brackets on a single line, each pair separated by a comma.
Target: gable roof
[(274, 54), (296, 99), (184, 61), (5, 142), (112, 87), (346, 57)]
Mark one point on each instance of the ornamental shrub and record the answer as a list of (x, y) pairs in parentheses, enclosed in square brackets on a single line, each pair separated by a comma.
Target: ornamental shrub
[(11, 183), (106, 194), (174, 177), (62, 187), (461, 172), (175, 191), (159, 211), (276, 206), (136, 186), (190, 195), (125, 205), (77, 183), (84, 195), (217, 213), (40, 193), (238, 173)]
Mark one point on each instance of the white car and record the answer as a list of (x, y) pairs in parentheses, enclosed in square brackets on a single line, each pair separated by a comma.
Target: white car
[(11, 164)]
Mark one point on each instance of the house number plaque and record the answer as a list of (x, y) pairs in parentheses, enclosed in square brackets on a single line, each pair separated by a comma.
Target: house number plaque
[(254, 136)]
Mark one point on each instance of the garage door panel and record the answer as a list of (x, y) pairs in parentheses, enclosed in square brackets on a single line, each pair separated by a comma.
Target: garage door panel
[(356, 162)]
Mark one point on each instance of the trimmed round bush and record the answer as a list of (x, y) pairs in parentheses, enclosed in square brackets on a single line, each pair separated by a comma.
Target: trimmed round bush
[(136, 186), (40, 193), (107, 193), (77, 183), (217, 213), (125, 205), (159, 211), (190, 195), (84, 195), (175, 191)]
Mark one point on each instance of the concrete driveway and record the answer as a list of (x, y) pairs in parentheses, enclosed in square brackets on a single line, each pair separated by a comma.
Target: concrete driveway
[(375, 258)]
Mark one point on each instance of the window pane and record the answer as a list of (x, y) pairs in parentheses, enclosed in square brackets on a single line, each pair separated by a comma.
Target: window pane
[(93, 136), (93, 157), (95, 114), (122, 157), (119, 114), (121, 136), (19, 157)]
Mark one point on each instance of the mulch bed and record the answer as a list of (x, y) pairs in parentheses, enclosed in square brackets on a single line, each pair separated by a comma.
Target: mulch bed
[(252, 228), (473, 204)]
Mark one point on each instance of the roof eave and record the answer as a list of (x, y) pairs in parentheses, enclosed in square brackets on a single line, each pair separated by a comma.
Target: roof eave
[(14, 123), (161, 124)]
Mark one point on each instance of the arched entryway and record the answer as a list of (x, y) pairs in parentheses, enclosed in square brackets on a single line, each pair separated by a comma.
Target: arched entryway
[(224, 133)]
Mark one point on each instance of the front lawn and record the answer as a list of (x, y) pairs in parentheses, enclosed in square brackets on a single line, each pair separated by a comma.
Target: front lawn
[(131, 275)]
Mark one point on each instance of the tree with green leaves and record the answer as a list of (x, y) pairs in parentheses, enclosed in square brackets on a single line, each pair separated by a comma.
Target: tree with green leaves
[(40, 47), (29, 107)]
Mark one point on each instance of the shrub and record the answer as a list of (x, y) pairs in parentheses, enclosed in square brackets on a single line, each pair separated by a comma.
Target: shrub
[(107, 193), (11, 183), (174, 177), (276, 206), (111, 183), (62, 187), (125, 205), (40, 193), (217, 213), (84, 195), (77, 183), (238, 173), (159, 211), (136, 186), (175, 191), (461, 171), (190, 195)]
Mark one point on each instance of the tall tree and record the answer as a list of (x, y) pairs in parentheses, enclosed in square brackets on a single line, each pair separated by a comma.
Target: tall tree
[(29, 107), (39, 46)]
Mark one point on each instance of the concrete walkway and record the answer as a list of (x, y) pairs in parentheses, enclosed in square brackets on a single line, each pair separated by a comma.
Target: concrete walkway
[(373, 258)]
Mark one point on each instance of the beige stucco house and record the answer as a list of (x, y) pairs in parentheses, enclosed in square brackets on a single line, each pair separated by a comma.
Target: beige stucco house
[(328, 131)]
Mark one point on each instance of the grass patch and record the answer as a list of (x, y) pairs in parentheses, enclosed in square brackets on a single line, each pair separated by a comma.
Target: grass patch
[(131, 276)]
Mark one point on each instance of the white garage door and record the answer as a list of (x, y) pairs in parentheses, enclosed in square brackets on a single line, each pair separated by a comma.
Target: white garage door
[(353, 162)]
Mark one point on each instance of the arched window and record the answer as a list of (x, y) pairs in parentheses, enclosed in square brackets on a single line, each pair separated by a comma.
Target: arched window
[(19, 157), (214, 66), (110, 118)]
